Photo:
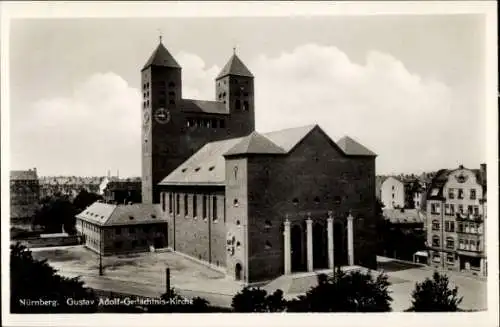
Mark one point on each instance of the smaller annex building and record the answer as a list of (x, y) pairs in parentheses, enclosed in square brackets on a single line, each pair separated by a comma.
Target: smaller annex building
[(111, 228)]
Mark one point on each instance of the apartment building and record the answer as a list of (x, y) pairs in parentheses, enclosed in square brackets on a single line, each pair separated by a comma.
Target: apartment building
[(456, 214)]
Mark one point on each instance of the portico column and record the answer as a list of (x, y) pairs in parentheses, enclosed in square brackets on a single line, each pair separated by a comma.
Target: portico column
[(329, 224), (309, 245), (350, 239), (287, 248)]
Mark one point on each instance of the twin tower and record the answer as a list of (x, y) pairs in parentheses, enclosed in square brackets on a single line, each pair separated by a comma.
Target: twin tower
[(174, 128)]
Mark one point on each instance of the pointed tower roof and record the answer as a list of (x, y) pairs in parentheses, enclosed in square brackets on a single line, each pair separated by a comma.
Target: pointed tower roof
[(353, 148), (161, 57), (235, 67), (255, 143)]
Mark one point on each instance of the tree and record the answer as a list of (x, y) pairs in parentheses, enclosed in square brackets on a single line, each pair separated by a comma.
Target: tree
[(85, 199), (56, 213), (255, 299), (36, 288), (345, 292), (435, 295)]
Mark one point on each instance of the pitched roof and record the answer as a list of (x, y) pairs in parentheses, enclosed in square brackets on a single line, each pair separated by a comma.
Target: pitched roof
[(255, 143), (207, 166), (234, 67), (18, 175), (406, 216), (105, 214), (288, 138), (161, 57), (353, 148), (213, 107)]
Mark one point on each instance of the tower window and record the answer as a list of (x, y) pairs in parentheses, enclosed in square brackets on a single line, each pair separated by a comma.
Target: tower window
[(295, 201), (245, 94), (245, 106), (220, 95), (162, 101), (235, 202), (172, 101), (171, 84), (224, 94), (172, 94), (268, 245), (316, 199), (237, 105)]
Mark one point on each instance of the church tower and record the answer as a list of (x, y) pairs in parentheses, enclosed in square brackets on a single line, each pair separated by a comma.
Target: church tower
[(162, 93), (174, 128), (235, 89)]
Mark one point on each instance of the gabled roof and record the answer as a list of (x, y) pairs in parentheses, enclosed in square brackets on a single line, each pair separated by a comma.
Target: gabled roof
[(353, 148), (161, 57), (406, 216), (234, 67), (207, 166), (288, 138), (22, 175), (105, 214), (255, 143), (211, 107)]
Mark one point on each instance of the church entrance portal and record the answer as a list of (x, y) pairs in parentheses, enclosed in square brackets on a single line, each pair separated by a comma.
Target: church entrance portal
[(320, 247), (297, 240), (340, 244)]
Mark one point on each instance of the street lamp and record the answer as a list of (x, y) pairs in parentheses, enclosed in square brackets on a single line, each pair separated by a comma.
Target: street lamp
[(101, 272)]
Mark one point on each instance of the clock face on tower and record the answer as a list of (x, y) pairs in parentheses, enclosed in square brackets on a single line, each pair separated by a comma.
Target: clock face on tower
[(162, 115)]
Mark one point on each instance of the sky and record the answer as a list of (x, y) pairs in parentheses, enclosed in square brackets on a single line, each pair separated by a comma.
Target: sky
[(410, 88)]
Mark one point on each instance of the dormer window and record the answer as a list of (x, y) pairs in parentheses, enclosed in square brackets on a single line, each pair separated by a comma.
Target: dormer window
[(211, 168), (197, 169), (184, 170)]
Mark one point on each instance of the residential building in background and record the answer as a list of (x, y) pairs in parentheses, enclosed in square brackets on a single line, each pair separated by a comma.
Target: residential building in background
[(392, 193), (68, 186), (456, 214), (24, 197), (121, 191)]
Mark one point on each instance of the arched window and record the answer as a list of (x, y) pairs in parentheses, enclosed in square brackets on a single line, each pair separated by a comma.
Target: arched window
[(268, 224)]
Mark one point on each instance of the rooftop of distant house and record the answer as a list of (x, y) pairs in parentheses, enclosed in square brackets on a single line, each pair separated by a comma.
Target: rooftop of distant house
[(404, 216), (23, 175)]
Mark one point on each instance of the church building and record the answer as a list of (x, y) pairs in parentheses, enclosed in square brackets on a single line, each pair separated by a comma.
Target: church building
[(257, 205)]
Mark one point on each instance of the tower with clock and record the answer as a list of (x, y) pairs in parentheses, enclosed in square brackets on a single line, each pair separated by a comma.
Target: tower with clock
[(174, 128)]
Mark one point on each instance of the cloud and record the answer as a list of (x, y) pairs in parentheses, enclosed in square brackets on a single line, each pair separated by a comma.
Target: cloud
[(412, 122), (95, 129)]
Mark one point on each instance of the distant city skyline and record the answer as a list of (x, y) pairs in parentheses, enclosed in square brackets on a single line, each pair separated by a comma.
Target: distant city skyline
[(410, 88)]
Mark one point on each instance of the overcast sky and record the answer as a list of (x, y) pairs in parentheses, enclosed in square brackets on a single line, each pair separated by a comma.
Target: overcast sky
[(410, 88)]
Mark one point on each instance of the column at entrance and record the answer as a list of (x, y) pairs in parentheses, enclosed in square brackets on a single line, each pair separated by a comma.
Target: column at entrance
[(309, 245), (329, 222), (287, 248), (350, 239)]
